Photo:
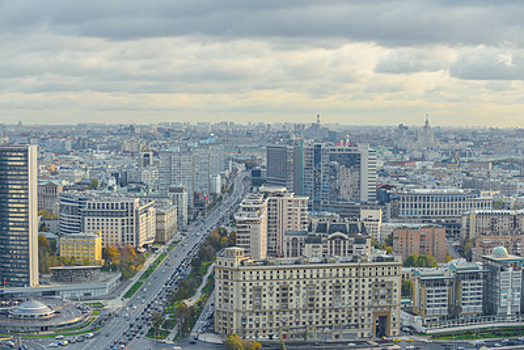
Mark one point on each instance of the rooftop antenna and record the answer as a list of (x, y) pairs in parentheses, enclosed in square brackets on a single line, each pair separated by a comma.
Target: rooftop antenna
[(318, 118)]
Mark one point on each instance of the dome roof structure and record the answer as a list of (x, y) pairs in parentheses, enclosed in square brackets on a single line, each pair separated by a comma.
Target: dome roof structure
[(32, 309), (500, 251)]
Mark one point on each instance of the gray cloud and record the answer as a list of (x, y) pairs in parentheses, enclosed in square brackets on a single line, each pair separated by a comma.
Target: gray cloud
[(489, 64), (388, 23), (412, 61)]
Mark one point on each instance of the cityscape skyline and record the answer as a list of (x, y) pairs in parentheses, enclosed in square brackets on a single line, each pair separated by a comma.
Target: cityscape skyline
[(372, 63)]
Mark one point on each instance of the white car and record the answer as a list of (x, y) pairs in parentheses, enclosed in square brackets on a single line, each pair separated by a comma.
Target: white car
[(59, 337), (52, 345), (352, 344)]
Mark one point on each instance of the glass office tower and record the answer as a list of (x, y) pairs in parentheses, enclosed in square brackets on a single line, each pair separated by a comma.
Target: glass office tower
[(18, 216)]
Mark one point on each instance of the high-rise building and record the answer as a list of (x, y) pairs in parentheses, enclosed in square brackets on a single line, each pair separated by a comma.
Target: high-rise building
[(178, 196), (251, 222), (166, 223), (48, 191), (339, 173), (284, 167), (285, 212), (177, 168), (307, 299), (18, 216)]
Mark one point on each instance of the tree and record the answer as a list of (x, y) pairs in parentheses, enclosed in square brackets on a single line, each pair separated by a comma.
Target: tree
[(431, 261), (233, 342), (468, 248), (214, 239), (422, 261), (44, 213), (411, 260), (157, 319), (407, 288), (389, 240), (282, 345), (87, 262), (43, 242), (232, 238), (93, 184), (389, 250), (223, 242), (112, 254)]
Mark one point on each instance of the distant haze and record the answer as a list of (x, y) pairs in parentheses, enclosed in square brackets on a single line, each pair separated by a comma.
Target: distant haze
[(354, 62)]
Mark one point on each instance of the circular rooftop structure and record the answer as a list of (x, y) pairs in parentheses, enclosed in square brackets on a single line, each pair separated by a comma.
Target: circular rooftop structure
[(500, 251), (32, 309)]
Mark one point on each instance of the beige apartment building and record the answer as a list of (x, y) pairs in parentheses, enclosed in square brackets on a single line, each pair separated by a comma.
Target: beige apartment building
[(301, 298), (500, 222), (486, 243), (285, 212), (166, 223), (251, 223), (428, 240)]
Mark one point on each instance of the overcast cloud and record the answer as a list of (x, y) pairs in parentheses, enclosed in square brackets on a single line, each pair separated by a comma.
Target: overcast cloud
[(354, 62)]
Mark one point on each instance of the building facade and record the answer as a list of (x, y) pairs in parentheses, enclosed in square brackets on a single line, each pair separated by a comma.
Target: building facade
[(48, 192), (121, 220), (307, 299), (178, 196), (495, 222), (251, 223), (177, 168), (427, 240), (18, 216), (166, 223), (285, 212), (81, 246), (284, 167), (485, 244)]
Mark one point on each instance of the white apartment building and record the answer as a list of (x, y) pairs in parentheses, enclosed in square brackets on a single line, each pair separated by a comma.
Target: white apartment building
[(285, 212), (372, 219), (251, 221), (307, 299), (178, 196), (121, 220), (177, 168)]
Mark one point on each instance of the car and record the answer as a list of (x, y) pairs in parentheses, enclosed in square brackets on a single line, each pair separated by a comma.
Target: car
[(52, 345), (410, 347), (461, 348), (397, 339), (410, 340), (59, 337), (505, 340), (521, 338), (352, 344), (497, 345), (192, 342)]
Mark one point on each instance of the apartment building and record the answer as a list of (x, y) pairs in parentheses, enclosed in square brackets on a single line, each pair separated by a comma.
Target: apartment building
[(81, 246), (485, 243), (166, 223), (496, 222), (503, 285), (285, 212), (121, 220), (372, 219), (428, 240), (312, 299), (251, 222), (431, 294), (176, 168), (178, 196)]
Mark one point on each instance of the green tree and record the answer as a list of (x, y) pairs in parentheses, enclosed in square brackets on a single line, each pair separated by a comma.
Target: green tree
[(422, 261), (431, 261), (87, 262), (44, 213), (407, 288), (411, 260), (93, 184), (157, 319), (468, 248), (232, 238)]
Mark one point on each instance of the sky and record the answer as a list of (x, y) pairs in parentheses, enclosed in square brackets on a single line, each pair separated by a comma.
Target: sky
[(369, 62)]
